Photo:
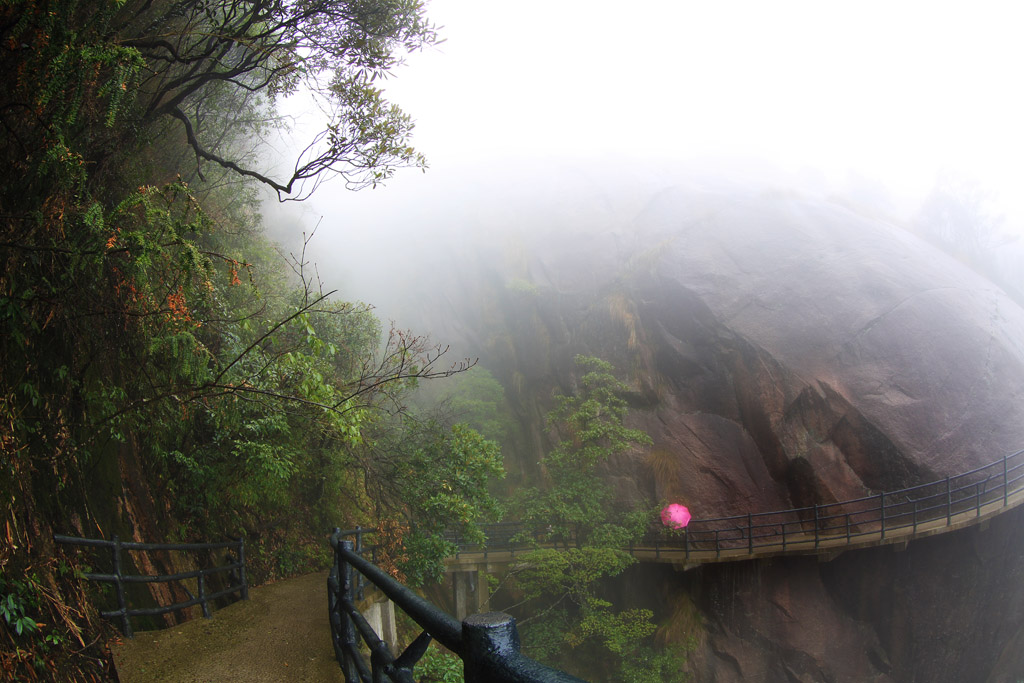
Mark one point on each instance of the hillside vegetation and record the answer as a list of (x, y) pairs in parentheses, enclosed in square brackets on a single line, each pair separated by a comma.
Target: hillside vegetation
[(167, 372)]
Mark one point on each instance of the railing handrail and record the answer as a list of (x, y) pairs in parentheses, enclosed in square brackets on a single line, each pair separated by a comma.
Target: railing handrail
[(134, 545), (488, 644), (795, 529), (119, 578)]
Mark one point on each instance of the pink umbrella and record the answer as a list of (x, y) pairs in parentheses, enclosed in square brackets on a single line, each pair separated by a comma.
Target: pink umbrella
[(675, 515)]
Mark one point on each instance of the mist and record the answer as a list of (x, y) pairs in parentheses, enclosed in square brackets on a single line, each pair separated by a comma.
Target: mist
[(567, 117)]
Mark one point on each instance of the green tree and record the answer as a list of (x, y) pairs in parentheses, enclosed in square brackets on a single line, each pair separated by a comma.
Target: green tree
[(475, 398), (428, 479), (335, 50), (166, 373), (576, 509), (576, 504)]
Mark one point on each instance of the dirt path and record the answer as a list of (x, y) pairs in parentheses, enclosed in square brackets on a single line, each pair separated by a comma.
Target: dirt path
[(280, 634)]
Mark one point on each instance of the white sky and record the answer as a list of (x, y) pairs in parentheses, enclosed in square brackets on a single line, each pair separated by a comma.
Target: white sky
[(893, 90)]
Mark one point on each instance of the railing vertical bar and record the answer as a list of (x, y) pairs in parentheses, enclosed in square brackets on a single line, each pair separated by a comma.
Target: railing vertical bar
[(122, 601), (881, 507), (234, 569), (750, 534), (377, 667), (847, 528), (718, 546), (201, 579), (1006, 485), (347, 629), (359, 582), (817, 540), (949, 504), (915, 516), (977, 497)]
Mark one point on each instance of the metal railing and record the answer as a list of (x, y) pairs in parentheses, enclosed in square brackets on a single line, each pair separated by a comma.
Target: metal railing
[(925, 508), (488, 644), (235, 567)]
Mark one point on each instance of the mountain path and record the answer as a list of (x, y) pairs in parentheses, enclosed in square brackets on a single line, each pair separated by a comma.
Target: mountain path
[(280, 634)]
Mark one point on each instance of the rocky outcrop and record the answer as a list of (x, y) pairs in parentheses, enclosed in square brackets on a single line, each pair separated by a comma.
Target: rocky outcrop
[(783, 352), (843, 352), (946, 608)]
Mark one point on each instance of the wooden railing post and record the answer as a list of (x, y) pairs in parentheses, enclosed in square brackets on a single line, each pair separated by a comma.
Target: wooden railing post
[(122, 601), (817, 540)]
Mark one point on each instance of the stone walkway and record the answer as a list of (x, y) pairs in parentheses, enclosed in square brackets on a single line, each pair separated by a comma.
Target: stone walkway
[(280, 634)]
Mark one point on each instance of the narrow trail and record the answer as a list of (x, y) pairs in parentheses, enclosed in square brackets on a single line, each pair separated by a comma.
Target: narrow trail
[(280, 634)]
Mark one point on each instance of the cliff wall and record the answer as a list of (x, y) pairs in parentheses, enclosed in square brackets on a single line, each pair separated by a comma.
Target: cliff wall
[(782, 352)]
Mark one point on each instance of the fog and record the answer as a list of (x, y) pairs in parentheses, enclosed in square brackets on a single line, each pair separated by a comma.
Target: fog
[(567, 113)]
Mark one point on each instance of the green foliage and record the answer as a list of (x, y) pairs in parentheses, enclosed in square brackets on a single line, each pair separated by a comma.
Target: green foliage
[(647, 665), (544, 637), (35, 630), (165, 370), (577, 503), (562, 584), (522, 286), (475, 398), (71, 82), (432, 479), (572, 572), (17, 599), (620, 632), (334, 49), (439, 666)]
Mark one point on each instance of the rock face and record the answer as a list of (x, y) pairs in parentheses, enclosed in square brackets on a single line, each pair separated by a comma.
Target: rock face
[(855, 358), (783, 352)]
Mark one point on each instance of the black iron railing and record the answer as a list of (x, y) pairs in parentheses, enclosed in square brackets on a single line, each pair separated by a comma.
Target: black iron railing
[(234, 566), (488, 644), (879, 518)]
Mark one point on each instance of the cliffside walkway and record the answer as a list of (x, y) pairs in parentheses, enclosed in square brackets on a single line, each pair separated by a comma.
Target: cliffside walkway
[(891, 517), (280, 634)]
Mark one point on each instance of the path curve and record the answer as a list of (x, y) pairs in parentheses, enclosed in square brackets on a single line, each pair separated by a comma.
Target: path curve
[(280, 634)]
